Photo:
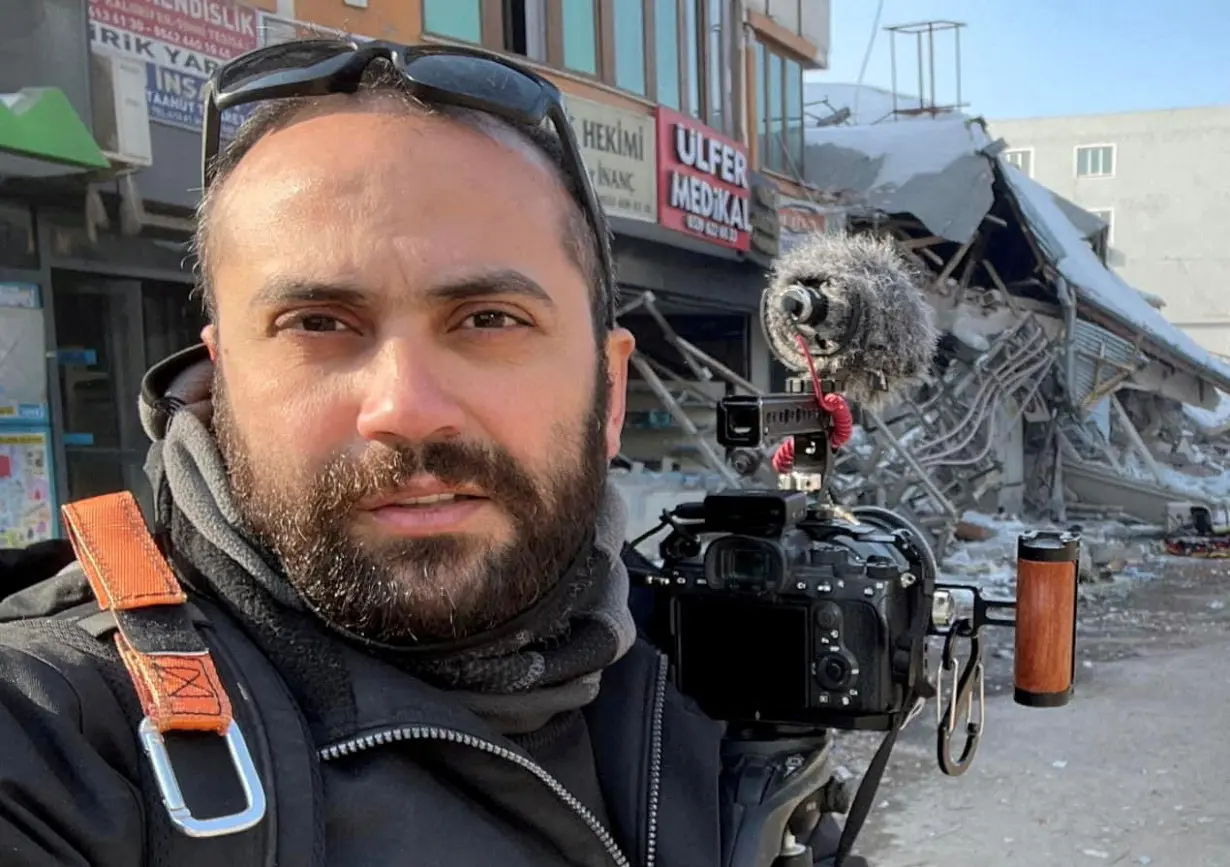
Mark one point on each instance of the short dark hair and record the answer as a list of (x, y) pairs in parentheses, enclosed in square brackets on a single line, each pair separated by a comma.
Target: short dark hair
[(382, 80)]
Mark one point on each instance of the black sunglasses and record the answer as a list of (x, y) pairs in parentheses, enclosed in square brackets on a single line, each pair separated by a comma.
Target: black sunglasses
[(439, 75)]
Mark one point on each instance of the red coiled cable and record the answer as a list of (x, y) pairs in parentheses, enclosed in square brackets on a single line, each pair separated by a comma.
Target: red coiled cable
[(834, 404)]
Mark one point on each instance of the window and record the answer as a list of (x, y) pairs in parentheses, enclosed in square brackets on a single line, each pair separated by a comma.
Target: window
[(763, 137), (458, 19), (1095, 161), (780, 110), (630, 46), (717, 66), (774, 116), (525, 28), (787, 13), (666, 38), (1107, 216), (794, 118), (1023, 159), (691, 30), (580, 35)]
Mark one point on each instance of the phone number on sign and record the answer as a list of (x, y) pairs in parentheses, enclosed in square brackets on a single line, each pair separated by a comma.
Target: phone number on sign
[(176, 31)]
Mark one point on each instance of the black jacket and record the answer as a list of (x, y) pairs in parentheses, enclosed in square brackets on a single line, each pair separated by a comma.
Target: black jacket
[(363, 763), (403, 776)]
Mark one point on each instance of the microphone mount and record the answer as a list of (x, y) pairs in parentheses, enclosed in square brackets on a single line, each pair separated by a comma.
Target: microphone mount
[(805, 305)]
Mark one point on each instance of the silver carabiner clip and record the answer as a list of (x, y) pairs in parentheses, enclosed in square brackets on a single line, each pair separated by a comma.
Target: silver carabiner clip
[(173, 796)]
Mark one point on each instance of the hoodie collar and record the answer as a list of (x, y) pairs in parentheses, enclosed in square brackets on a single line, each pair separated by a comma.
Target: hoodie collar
[(190, 482)]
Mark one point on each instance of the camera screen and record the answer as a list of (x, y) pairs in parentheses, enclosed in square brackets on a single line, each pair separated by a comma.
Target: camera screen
[(742, 660)]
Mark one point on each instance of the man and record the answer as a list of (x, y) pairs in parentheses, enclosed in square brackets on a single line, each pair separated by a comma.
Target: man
[(382, 482)]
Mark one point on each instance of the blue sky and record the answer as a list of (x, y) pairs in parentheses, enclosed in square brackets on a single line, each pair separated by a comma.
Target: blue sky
[(1035, 58)]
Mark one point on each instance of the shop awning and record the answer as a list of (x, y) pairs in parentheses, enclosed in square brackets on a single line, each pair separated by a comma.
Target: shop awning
[(41, 135)]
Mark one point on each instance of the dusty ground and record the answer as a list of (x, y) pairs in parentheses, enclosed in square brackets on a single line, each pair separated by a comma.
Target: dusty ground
[(1133, 772)]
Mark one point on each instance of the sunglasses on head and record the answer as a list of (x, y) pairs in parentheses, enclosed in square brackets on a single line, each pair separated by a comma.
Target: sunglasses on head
[(437, 75)]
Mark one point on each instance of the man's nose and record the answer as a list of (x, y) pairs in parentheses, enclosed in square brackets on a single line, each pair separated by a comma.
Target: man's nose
[(405, 399)]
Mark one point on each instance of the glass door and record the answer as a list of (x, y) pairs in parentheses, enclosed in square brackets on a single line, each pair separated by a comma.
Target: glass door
[(100, 341)]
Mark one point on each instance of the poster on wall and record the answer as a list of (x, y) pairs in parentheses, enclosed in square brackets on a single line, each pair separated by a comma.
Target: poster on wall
[(27, 513), (23, 351), (181, 42)]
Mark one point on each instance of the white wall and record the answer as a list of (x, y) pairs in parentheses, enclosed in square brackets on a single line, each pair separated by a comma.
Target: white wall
[(1170, 198)]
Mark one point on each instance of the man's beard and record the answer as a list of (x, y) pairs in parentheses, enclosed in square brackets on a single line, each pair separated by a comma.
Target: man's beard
[(415, 591)]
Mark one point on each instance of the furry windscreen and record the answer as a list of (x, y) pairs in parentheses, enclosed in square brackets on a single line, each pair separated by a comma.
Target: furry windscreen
[(879, 335)]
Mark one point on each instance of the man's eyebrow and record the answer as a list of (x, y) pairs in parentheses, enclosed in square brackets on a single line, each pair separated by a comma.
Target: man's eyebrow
[(489, 284), (465, 287), (294, 290)]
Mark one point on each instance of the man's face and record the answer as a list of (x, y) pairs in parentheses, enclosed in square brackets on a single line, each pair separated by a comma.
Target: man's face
[(409, 397)]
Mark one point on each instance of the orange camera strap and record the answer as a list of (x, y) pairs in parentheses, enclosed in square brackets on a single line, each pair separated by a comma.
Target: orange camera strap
[(168, 662)]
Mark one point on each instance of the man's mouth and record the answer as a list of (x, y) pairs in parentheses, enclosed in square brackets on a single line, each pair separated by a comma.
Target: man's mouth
[(432, 500), (425, 509)]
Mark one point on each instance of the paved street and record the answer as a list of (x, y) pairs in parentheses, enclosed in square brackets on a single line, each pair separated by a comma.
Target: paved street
[(1133, 772)]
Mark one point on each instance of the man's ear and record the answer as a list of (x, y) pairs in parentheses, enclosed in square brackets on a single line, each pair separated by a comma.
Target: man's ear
[(619, 346), (209, 336)]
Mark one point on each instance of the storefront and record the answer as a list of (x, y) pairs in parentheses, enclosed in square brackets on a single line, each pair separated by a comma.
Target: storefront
[(681, 231), (685, 238), (44, 144), (94, 238)]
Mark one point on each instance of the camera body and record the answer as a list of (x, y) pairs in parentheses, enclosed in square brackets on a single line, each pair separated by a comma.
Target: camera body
[(783, 616)]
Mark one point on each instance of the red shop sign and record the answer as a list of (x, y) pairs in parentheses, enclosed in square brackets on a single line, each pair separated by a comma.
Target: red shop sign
[(703, 187)]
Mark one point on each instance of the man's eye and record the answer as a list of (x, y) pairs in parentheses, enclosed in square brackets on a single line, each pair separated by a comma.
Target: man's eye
[(315, 322), (492, 320)]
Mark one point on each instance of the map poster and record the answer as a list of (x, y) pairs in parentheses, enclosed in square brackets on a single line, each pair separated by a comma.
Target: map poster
[(26, 507)]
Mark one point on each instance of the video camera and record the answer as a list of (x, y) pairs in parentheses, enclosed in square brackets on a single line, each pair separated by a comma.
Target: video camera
[(833, 608), (787, 615)]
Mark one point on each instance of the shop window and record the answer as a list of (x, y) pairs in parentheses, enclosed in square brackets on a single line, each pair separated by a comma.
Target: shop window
[(629, 34), (18, 244), (721, 336), (456, 19), (580, 22), (98, 323), (667, 48)]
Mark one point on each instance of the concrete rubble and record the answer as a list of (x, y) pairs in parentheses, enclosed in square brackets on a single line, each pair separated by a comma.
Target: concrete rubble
[(1038, 406)]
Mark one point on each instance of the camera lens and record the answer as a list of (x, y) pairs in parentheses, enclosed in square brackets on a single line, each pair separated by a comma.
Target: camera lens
[(834, 671)]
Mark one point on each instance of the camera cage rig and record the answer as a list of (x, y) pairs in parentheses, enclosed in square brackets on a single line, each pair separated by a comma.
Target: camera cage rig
[(780, 777)]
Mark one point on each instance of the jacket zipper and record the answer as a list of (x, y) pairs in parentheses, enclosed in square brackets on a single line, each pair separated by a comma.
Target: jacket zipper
[(420, 733), (655, 760)]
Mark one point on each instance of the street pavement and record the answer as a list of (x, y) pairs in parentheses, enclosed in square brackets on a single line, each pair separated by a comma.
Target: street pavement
[(1134, 771)]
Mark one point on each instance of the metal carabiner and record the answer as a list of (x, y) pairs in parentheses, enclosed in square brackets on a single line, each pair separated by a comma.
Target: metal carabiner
[(962, 700)]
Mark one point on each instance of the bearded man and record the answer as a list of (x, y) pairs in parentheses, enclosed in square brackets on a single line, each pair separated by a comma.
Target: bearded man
[(381, 485)]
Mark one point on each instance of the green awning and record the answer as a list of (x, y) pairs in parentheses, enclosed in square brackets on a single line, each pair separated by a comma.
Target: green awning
[(40, 123)]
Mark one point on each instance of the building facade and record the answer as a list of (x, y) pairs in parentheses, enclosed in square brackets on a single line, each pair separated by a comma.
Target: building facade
[(1156, 179), (95, 267)]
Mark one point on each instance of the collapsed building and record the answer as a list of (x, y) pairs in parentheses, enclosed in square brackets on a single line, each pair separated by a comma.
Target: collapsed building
[(1058, 391)]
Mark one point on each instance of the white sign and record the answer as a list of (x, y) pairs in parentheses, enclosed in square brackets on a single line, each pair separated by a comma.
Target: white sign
[(620, 151), (276, 29), (179, 44)]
